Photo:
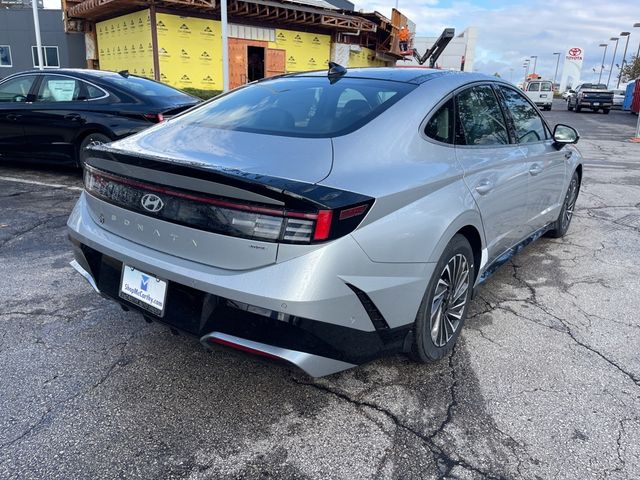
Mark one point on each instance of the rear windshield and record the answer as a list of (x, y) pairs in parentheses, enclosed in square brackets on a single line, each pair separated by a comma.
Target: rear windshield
[(545, 86), (144, 87), (299, 106), (594, 86)]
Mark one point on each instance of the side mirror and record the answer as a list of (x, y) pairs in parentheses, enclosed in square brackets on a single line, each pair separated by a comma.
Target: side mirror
[(572, 91), (564, 135)]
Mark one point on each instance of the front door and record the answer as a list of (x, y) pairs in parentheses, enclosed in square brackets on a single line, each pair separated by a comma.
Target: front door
[(546, 164), (15, 101), (495, 170)]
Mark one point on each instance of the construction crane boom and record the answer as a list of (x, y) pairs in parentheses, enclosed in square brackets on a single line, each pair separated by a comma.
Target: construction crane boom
[(432, 54)]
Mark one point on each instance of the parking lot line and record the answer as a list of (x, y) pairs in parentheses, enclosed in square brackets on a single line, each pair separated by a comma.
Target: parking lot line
[(42, 184)]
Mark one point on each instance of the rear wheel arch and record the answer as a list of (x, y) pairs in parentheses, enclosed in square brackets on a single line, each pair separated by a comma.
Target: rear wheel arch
[(87, 133), (472, 235)]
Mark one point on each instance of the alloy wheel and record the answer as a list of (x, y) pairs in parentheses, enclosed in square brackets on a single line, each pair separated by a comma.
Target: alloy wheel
[(570, 202), (449, 300)]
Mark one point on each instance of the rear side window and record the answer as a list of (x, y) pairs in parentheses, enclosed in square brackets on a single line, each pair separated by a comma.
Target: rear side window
[(534, 87), (528, 124), (299, 106), (54, 88), (440, 125), (481, 120)]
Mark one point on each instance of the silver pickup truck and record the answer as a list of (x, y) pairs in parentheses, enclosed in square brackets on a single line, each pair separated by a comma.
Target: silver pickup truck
[(594, 96)]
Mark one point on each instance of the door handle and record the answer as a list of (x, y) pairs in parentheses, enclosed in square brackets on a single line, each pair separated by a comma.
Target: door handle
[(484, 187), (14, 116), (74, 117), (535, 169), (568, 154)]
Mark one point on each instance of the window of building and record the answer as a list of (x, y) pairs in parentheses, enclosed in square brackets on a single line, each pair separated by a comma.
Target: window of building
[(49, 56), (5, 56), (481, 119)]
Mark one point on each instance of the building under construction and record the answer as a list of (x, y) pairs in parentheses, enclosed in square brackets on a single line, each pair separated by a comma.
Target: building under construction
[(179, 41)]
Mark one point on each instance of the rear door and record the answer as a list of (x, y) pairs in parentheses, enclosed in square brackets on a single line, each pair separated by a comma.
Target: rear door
[(16, 95), (533, 91), (546, 164), (495, 169)]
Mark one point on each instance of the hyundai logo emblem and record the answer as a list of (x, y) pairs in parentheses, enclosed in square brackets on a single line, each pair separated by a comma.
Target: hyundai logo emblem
[(152, 203)]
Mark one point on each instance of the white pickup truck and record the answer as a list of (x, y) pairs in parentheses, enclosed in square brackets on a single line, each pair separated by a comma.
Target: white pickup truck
[(540, 92)]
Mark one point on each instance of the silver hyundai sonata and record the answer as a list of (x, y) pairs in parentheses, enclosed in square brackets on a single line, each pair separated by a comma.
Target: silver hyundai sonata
[(327, 218)]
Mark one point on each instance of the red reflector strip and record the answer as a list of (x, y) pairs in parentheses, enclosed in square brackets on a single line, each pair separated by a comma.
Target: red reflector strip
[(243, 348), (198, 198), (353, 212), (323, 225)]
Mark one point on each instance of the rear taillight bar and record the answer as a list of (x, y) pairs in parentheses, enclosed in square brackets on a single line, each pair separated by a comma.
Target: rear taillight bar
[(225, 216)]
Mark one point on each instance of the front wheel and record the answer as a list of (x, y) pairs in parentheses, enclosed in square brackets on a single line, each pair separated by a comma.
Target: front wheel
[(561, 225), (445, 303), (605, 111), (569, 107), (91, 139)]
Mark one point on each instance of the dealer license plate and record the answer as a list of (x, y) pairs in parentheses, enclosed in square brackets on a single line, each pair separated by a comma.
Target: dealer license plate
[(543, 95), (144, 290), (595, 104)]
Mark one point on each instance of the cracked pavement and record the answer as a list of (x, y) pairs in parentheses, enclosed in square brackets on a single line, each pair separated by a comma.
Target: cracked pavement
[(544, 382)]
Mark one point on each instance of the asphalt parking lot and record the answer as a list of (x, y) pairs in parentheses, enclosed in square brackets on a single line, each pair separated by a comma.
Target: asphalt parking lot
[(544, 382)]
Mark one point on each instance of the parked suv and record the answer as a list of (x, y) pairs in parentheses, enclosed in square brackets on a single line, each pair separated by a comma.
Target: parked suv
[(594, 96), (540, 92), (325, 219)]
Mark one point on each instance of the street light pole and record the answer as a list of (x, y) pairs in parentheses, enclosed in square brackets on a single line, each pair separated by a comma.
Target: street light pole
[(36, 25), (613, 60), (555, 75), (602, 63), (535, 62), (636, 25), (624, 55), (526, 72)]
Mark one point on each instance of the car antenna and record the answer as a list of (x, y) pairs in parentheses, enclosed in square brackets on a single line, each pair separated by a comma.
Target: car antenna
[(336, 72), (124, 73)]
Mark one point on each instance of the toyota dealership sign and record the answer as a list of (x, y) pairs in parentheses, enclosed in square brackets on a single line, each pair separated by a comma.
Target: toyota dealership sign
[(572, 68), (574, 53)]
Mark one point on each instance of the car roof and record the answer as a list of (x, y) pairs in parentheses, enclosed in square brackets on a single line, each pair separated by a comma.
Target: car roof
[(79, 72), (415, 75)]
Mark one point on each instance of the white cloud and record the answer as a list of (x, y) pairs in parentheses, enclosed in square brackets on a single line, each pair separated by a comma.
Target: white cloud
[(510, 32)]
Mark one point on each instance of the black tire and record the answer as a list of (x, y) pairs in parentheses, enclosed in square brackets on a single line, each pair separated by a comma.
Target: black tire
[(578, 109), (606, 111), (569, 107), (457, 257), (562, 223), (84, 144)]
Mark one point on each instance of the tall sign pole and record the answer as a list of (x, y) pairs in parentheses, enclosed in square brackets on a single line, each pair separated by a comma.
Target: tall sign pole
[(225, 46), (36, 25)]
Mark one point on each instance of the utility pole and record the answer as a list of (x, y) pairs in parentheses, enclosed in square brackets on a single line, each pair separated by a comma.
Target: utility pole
[(555, 75), (613, 61), (602, 64), (225, 46), (36, 25), (624, 55)]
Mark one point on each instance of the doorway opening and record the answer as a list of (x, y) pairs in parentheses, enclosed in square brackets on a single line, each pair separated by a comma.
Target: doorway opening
[(255, 63)]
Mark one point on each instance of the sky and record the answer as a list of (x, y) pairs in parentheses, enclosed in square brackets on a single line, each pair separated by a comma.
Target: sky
[(509, 31)]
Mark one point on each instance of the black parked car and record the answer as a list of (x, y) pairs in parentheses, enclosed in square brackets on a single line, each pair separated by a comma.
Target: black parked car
[(53, 116)]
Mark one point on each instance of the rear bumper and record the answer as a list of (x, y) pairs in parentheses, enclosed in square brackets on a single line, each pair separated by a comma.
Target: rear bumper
[(592, 103), (306, 312)]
